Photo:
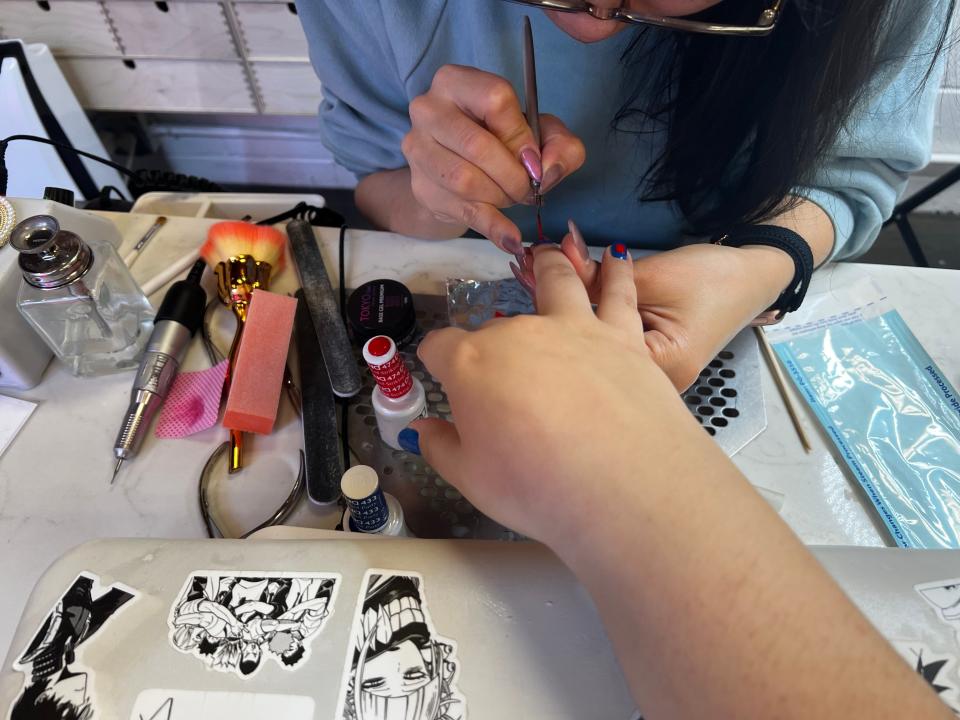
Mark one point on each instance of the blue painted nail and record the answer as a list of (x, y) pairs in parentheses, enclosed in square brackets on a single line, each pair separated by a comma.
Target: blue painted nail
[(409, 440), (619, 251)]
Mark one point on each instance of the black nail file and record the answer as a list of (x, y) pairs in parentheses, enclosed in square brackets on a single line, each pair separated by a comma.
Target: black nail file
[(322, 303), (321, 445)]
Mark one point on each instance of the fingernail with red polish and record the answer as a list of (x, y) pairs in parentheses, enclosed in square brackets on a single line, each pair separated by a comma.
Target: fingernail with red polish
[(530, 159), (511, 245), (578, 242), (619, 251), (552, 177)]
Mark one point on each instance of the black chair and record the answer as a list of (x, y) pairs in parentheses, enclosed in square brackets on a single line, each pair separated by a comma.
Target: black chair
[(901, 213)]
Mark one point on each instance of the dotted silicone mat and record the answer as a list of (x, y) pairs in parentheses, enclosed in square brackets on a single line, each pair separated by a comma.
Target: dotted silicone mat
[(727, 400)]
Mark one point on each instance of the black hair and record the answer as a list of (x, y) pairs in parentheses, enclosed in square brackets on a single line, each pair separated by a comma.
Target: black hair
[(34, 705), (290, 659), (747, 120), (380, 595), (207, 646)]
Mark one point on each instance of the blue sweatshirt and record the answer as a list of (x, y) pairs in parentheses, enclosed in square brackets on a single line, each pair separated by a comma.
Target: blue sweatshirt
[(374, 56)]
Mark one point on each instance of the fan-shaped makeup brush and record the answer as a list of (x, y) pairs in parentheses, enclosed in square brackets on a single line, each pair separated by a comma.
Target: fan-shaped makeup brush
[(244, 257)]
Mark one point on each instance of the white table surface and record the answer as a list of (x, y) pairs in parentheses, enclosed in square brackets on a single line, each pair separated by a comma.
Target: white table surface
[(54, 478)]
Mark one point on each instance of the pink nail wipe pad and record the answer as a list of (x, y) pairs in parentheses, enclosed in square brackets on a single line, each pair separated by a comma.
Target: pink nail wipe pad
[(193, 404)]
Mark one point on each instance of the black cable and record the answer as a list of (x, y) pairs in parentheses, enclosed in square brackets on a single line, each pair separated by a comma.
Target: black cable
[(3, 168), (345, 404), (145, 181), (316, 216), (141, 181), (343, 273), (63, 146)]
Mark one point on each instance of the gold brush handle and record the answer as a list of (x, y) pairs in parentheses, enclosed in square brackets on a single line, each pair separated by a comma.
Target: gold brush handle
[(235, 456)]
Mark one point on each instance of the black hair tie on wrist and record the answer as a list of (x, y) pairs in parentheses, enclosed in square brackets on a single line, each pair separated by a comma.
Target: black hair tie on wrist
[(783, 239)]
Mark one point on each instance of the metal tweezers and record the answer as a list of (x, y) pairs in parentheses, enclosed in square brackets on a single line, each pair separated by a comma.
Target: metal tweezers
[(532, 110)]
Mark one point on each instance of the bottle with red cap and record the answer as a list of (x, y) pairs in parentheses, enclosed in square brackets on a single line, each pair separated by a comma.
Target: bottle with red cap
[(399, 398)]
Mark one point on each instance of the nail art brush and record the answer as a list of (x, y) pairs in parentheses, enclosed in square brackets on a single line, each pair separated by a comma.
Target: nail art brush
[(131, 257), (532, 112)]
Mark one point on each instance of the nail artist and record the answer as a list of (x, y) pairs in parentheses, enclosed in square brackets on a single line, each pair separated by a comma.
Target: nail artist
[(786, 126)]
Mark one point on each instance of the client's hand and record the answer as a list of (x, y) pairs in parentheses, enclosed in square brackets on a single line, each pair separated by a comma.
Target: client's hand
[(544, 403), (569, 432)]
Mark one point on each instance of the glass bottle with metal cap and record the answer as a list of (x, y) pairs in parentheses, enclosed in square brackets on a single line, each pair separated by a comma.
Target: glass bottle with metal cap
[(80, 297)]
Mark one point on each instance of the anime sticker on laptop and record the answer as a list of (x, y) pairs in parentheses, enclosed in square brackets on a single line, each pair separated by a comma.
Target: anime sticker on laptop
[(944, 597), (57, 684), (939, 670), (236, 621), (210, 705), (397, 666)]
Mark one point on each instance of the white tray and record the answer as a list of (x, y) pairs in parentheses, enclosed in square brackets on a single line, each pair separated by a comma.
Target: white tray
[(222, 206)]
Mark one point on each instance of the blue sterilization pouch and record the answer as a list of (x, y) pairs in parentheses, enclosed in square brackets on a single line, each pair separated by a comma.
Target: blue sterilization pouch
[(891, 412)]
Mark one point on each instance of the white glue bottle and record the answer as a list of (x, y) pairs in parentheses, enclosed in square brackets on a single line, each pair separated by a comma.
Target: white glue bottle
[(398, 399), (369, 509)]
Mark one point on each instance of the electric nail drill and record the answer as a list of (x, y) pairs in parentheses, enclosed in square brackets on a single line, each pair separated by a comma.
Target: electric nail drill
[(180, 314)]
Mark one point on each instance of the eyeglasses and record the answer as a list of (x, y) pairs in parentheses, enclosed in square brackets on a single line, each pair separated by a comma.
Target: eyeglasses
[(764, 25)]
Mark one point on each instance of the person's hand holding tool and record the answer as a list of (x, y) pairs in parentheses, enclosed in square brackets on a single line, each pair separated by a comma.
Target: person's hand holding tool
[(471, 152), (567, 431)]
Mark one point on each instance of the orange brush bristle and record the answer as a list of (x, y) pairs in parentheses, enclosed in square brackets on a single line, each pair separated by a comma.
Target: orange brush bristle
[(232, 239)]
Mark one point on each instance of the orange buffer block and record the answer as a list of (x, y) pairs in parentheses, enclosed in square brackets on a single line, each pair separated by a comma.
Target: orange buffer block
[(258, 375)]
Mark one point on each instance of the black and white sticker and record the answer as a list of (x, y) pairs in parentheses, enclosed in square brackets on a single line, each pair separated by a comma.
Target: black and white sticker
[(938, 669), (199, 705), (397, 666), (944, 597), (236, 621), (56, 682)]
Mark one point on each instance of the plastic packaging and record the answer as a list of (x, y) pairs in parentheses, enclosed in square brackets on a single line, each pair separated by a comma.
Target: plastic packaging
[(470, 303), (891, 412)]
